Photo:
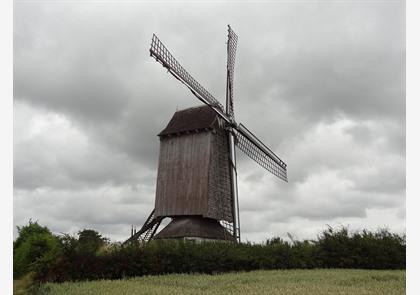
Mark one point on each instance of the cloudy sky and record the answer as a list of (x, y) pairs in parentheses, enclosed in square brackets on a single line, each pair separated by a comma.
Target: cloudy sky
[(321, 83)]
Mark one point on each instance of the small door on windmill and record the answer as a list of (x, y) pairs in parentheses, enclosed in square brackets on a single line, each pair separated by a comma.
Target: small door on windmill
[(193, 173)]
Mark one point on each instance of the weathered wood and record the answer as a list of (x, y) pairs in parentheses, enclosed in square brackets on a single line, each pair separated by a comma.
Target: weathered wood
[(220, 194), (193, 174), (182, 183)]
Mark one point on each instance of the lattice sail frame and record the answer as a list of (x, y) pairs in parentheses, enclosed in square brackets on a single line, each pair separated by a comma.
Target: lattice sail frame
[(245, 141), (231, 55), (162, 54)]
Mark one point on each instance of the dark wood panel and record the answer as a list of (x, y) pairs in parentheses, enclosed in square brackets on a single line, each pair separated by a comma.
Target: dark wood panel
[(220, 195), (182, 184)]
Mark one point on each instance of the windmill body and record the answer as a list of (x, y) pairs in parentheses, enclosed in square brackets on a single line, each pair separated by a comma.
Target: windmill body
[(194, 182), (197, 177)]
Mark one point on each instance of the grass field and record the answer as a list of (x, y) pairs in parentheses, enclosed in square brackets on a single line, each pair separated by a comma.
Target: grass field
[(302, 282)]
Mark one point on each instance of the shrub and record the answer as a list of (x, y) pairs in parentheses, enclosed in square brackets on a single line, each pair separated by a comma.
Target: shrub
[(35, 244), (90, 241), (368, 250), (91, 257)]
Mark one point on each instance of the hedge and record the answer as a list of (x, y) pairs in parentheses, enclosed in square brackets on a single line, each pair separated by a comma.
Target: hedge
[(332, 249)]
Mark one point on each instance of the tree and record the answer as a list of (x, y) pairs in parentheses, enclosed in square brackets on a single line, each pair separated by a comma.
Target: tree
[(27, 231), (34, 243), (90, 241)]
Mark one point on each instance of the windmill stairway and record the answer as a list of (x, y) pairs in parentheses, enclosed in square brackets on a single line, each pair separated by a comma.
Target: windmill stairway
[(148, 230)]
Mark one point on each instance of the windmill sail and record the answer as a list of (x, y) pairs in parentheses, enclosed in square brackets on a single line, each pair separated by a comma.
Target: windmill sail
[(159, 51), (259, 152), (231, 54)]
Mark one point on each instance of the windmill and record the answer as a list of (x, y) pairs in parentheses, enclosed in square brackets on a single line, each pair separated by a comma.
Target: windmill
[(197, 177)]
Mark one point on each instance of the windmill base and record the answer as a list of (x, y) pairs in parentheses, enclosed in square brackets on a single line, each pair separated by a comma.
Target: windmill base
[(194, 228)]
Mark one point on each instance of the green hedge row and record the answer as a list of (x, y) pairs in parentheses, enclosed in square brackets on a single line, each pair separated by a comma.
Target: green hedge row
[(78, 259)]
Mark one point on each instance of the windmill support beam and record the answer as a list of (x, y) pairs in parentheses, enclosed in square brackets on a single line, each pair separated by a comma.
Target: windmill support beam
[(234, 183)]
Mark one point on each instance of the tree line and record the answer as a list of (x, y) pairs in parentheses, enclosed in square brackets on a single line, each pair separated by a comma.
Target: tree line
[(90, 256)]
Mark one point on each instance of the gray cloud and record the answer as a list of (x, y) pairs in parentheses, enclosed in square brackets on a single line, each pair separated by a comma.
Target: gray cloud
[(321, 83)]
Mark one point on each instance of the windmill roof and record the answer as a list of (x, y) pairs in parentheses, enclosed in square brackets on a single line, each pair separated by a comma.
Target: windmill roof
[(195, 118), (194, 227)]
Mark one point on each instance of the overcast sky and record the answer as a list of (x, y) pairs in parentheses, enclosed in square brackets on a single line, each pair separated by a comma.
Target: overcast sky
[(321, 83)]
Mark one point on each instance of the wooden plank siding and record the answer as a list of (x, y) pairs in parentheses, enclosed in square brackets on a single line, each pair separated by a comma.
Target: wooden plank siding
[(182, 183), (193, 173), (220, 190)]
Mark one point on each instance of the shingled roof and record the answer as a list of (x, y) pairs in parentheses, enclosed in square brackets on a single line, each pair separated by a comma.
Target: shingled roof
[(195, 118)]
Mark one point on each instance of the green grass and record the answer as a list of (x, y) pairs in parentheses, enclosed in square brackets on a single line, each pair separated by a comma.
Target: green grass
[(302, 282)]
